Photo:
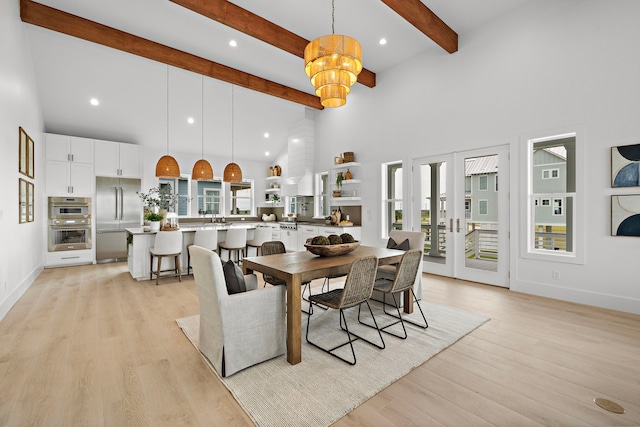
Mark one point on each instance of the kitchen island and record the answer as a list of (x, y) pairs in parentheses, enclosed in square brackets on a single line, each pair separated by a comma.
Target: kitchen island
[(139, 242)]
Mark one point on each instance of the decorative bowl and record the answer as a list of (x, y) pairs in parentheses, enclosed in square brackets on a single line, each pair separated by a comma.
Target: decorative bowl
[(331, 250)]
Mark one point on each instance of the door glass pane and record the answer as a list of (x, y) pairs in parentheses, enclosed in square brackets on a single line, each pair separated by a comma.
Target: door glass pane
[(433, 210), (481, 212)]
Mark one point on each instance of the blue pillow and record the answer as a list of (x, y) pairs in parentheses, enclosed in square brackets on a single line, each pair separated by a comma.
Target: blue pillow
[(233, 277), (404, 246)]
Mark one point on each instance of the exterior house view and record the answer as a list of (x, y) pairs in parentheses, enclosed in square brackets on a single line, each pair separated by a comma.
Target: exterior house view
[(487, 126)]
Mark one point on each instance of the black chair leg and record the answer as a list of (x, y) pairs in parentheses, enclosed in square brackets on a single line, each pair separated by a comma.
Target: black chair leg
[(331, 351), (384, 304)]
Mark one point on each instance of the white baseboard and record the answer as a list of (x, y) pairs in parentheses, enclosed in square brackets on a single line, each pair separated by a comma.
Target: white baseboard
[(14, 296), (596, 299)]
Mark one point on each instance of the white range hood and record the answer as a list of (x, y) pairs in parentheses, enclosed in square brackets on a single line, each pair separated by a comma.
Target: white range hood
[(301, 147)]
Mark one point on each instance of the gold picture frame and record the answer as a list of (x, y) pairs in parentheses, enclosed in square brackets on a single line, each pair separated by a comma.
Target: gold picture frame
[(25, 154), (25, 201)]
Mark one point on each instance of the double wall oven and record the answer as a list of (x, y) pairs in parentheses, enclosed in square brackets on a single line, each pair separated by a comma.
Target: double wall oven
[(69, 223)]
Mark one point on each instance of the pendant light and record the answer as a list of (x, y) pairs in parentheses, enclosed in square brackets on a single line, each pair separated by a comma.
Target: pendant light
[(333, 63), (232, 173), (167, 166), (202, 170)]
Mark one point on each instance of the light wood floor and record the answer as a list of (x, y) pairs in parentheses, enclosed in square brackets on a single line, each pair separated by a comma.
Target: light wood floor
[(88, 346)]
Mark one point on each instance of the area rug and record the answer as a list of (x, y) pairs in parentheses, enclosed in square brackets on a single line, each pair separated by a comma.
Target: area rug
[(324, 388)]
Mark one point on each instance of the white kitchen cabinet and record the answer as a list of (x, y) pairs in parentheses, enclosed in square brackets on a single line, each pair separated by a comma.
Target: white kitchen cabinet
[(276, 234), (117, 159), (69, 165), (290, 239), (306, 232), (69, 178), (69, 148), (356, 232)]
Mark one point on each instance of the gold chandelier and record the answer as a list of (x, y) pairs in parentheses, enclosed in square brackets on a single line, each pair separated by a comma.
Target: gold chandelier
[(333, 63)]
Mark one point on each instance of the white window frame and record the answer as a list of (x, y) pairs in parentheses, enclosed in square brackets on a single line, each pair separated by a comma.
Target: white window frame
[(321, 196), (486, 207), (229, 199), (486, 186), (388, 204), (558, 206), (550, 173), (578, 235)]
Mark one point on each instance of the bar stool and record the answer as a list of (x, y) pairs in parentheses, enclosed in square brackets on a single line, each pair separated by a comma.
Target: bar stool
[(207, 239), (168, 243), (261, 235), (235, 241)]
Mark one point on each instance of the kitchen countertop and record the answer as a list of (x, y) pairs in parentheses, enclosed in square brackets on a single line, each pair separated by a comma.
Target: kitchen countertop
[(193, 228)]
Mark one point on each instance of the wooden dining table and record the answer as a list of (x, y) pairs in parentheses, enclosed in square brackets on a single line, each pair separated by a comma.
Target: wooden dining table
[(296, 268)]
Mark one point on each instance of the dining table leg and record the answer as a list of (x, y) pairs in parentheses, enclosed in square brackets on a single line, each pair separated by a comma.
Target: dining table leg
[(294, 320), (408, 301)]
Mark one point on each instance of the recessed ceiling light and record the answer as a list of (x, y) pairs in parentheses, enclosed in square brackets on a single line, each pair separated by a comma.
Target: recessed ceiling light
[(266, 153), (266, 134), (190, 120), (94, 101), (233, 43), (383, 41)]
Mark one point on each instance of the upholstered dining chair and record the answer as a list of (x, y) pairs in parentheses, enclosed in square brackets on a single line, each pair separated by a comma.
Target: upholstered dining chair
[(416, 241), (167, 243), (205, 239), (260, 235), (241, 329), (277, 247), (357, 290), (402, 281), (235, 241)]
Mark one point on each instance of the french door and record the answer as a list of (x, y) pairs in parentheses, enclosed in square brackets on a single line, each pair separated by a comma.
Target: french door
[(461, 202)]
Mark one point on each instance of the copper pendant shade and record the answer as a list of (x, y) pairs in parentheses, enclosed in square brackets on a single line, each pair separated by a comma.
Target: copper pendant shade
[(167, 166), (232, 172), (202, 170)]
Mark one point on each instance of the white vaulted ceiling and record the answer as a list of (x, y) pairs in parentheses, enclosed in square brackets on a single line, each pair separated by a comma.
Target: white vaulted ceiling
[(133, 90)]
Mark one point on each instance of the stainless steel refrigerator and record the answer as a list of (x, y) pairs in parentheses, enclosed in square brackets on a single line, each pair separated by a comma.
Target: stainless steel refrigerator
[(117, 207)]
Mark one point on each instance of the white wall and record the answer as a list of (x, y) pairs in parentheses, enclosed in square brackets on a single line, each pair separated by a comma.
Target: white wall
[(20, 263), (549, 64)]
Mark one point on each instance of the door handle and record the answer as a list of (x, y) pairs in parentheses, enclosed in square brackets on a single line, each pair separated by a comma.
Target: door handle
[(458, 225), (451, 225), (116, 190), (121, 203)]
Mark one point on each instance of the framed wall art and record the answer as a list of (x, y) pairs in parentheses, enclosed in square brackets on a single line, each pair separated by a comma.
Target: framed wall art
[(25, 154), (25, 201), (625, 166), (625, 215)]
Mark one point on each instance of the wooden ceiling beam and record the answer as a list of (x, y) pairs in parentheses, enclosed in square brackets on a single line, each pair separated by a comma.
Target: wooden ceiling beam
[(240, 19), (421, 17), (72, 25)]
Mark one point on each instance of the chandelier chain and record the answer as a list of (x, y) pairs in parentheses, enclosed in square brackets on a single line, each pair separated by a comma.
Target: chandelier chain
[(232, 123), (333, 17)]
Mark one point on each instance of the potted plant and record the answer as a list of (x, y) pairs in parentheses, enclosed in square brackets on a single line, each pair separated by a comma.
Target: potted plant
[(154, 220), (275, 198), (339, 179)]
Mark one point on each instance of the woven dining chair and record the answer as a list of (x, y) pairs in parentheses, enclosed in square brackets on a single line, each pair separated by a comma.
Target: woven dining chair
[(402, 282), (358, 288), (277, 247)]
